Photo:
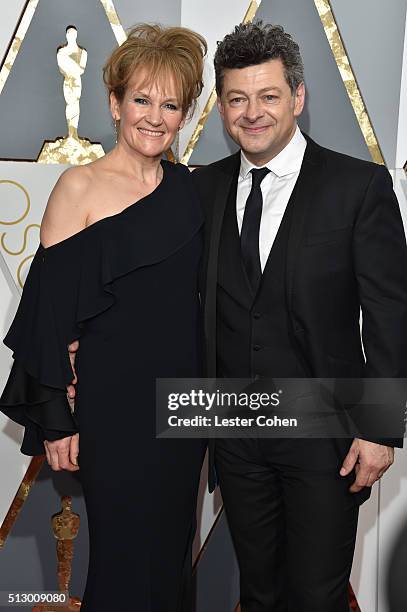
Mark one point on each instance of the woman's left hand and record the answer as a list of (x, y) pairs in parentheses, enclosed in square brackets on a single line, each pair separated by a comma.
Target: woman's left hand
[(62, 454)]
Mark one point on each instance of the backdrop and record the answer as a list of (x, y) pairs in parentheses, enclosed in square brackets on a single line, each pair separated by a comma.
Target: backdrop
[(355, 56)]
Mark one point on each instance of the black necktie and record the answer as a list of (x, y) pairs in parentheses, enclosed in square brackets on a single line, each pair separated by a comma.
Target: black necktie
[(249, 236)]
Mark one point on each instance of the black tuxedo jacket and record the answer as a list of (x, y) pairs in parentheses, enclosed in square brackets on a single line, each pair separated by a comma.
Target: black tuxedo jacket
[(346, 250)]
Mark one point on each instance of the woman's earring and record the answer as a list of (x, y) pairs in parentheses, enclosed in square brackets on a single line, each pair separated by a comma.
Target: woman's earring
[(116, 130)]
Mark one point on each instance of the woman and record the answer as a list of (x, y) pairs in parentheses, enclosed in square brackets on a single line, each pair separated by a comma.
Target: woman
[(117, 267)]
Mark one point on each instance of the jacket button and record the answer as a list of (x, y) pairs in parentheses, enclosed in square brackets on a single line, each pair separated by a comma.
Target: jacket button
[(256, 315), (256, 347)]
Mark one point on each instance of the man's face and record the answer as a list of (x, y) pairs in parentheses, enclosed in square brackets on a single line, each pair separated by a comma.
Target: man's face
[(259, 110)]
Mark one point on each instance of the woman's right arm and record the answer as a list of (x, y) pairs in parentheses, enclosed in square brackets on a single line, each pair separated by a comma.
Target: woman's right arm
[(64, 216)]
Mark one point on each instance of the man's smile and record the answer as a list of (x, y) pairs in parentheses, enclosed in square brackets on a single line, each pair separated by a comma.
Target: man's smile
[(255, 129)]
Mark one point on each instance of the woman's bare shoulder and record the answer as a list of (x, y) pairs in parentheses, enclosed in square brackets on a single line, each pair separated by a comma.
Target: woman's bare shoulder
[(67, 207)]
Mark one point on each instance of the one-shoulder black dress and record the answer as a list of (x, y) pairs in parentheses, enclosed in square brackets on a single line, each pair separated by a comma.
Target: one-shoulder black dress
[(127, 287)]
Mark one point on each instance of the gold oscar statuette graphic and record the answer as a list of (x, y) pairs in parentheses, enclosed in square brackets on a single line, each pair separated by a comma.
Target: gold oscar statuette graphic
[(72, 149), (65, 525)]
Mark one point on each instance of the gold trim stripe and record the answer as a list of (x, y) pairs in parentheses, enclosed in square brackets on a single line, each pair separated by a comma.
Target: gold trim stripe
[(24, 24), (199, 127), (249, 16), (23, 490), (348, 77), (114, 21)]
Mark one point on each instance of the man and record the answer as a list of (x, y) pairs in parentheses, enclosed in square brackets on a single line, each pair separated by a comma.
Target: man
[(299, 238)]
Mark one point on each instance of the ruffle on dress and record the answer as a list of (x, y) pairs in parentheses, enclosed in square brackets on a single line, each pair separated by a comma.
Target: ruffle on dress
[(74, 281)]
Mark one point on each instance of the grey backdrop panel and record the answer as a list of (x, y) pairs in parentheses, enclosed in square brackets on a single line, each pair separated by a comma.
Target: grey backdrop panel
[(373, 33), (328, 116), (166, 12), (32, 105)]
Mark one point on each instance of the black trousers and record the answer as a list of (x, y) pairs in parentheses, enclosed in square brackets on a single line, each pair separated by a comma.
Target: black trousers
[(292, 519)]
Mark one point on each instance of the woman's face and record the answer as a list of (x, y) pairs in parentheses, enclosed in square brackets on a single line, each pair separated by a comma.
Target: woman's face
[(150, 115)]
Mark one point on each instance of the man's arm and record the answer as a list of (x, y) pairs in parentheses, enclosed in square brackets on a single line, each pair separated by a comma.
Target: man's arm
[(380, 263)]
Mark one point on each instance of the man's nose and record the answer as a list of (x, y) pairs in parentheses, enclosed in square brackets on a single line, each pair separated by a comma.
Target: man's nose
[(253, 110)]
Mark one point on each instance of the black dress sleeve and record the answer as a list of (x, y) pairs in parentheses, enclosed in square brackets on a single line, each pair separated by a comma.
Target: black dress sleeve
[(72, 282), (44, 325)]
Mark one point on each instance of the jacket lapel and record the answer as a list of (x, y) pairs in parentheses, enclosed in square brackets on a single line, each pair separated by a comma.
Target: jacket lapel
[(295, 215), (303, 195)]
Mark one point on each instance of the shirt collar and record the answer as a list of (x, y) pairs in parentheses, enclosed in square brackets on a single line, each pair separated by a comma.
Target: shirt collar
[(288, 161)]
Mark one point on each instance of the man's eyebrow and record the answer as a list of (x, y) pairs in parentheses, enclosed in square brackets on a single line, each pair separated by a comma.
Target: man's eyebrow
[(261, 91), (236, 91), (271, 88)]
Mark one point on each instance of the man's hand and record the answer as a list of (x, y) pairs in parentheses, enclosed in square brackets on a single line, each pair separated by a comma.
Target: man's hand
[(370, 461), (62, 454), (72, 348)]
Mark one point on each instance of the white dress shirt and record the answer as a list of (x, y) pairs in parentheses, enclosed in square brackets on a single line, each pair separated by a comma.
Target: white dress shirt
[(276, 189)]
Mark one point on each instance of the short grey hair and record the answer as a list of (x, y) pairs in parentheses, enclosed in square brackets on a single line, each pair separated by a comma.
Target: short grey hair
[(255, 43)]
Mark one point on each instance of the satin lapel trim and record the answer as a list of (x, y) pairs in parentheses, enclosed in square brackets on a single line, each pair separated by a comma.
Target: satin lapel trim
[(221, 199), (267, 277), (305, 188)]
